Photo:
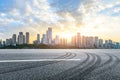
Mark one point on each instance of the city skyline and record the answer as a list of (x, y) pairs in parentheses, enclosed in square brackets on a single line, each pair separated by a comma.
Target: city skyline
[(77, 41), (89, 17), (53, 35)]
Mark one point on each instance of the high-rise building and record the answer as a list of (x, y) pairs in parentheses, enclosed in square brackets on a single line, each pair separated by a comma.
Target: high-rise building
[(14, 39), (8, 42), (110, 44), (74, 41), (78, 40), (24, 40), (63, 41), (27, 37), (56, 40), (96, 43), (100, 43), (21, 38), (106, 45), (83, 43), (1, 43), (117, 44), (87, 42), (91, 41), (4, 43), (49, 36), (38, 38), (44, 39)]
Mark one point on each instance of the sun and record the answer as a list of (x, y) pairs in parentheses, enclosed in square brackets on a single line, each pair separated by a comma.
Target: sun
[(66, 35)]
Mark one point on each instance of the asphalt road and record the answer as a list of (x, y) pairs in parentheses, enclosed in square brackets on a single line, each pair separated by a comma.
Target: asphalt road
[(61, 64)]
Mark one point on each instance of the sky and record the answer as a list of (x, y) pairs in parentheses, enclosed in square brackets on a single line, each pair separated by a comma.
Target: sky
[(66, 17)]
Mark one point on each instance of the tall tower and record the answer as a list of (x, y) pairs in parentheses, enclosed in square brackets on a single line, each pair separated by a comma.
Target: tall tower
[(83, 42), (14, 39), (38, 38), (56, 40), (78, 40), (0, 42), (73, 41), (20, 38), (24, 39), (96, 42), (49, 36), (27, 37), (44, 39), (100, 43)]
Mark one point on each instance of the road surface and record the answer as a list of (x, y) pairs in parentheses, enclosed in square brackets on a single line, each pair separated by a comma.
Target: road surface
[(61, 64)]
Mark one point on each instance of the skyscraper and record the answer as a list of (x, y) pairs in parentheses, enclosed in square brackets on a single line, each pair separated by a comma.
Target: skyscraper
[(38, 38), (84, 42), (14, 39), (27, 37), (78, 40), (49, 36), (24, 39), (44, 39), (100, 43), (106, 44), (37, 41), (63, 41), (20, 38), (91, 42), (96, 43), (110, 45), (0, 42), (4, 43), (56, 40), (74, 41)]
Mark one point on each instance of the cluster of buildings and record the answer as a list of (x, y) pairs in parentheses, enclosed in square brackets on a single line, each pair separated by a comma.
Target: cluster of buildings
[(14, 40), (93, 42), (77, 41), (46, 38)]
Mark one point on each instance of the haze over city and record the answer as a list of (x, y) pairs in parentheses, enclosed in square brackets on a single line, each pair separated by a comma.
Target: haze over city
[(89, 17)]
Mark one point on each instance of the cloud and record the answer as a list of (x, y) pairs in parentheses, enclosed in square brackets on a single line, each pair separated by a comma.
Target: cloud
[(72, 15)]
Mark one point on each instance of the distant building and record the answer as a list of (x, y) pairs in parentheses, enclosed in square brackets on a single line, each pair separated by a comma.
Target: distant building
[(27, 37), (56, 41), (96, 43), (83, 42), (110, 44), (38, 38), (37, 41), (1, 43), (87, 42), (91, 42), (21, 38), (63, 41), (78, 40), (14, 39), (117, 45), (4, 43), (74, 41), (100, 43), (106, 45), (44, 39), (8, 42), (24, 40), (49, 36)]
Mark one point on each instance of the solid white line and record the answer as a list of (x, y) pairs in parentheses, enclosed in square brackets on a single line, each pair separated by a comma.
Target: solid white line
[(38, 60)]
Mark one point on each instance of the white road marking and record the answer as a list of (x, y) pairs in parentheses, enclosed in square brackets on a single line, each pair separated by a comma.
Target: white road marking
[(38, 60)]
